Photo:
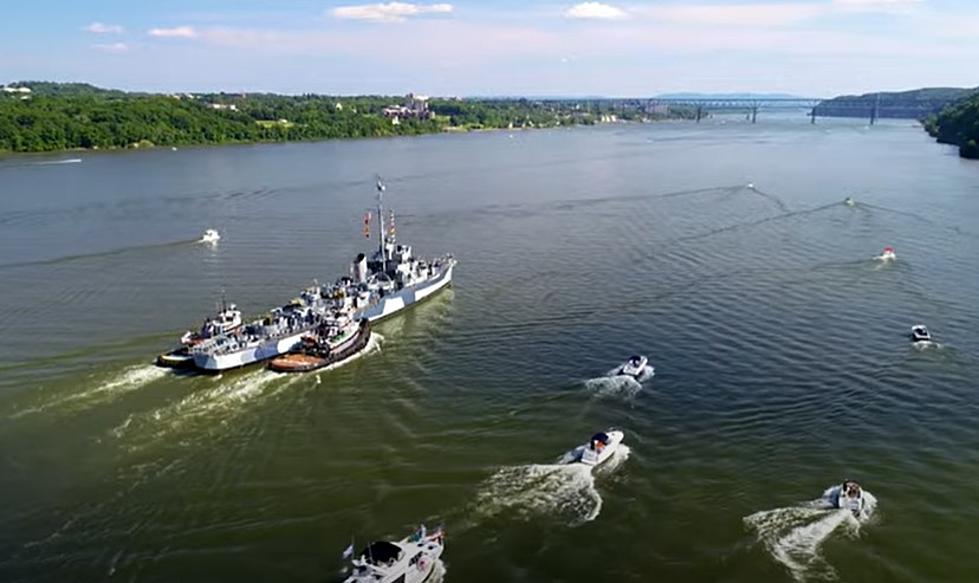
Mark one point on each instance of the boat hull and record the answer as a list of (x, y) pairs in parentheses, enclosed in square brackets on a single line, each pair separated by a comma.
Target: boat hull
[(176, 358), (393, 303), (385, 307), (302, 362)]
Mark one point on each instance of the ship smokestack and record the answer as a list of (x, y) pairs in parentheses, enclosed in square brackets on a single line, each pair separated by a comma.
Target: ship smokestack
[(360, 268)]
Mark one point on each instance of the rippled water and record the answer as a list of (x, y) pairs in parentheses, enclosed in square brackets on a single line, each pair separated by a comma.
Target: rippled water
[(779, 343)]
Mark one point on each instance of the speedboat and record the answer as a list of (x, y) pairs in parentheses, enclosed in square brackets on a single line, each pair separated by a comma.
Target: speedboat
[(226, 321), (751, 186), (847, 496), (887, 254), (848, 201), (599, 448), (210, 236), (919, 333), (410, 560), (634, 367)]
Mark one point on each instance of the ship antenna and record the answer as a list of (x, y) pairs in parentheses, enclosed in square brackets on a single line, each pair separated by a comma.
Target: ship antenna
[(380, 222)]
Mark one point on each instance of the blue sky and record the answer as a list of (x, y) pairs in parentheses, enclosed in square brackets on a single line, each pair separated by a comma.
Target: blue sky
[(806, 47)]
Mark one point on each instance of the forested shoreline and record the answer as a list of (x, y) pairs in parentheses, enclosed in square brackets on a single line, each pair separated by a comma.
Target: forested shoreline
[(958, 125), (66, 116)]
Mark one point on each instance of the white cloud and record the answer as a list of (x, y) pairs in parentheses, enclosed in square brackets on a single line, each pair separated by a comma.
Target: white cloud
[(596, 11), (112, 47), (877, 5), (102, 28), (175, 32), (390, 12)]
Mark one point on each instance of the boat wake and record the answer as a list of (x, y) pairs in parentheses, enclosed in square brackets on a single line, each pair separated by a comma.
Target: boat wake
[(565, 492), (128, 380), (615, 385), (794, 536), (100, 254), (211, 408)]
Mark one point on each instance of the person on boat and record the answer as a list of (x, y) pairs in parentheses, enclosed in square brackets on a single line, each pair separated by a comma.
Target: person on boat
[(849, 491)]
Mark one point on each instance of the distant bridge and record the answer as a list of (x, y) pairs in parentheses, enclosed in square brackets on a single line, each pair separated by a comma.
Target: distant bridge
[(702, 106), (752, 105)]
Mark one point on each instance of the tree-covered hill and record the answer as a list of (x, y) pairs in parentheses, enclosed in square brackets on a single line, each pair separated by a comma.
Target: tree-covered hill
[(915, 104), (958, 124)]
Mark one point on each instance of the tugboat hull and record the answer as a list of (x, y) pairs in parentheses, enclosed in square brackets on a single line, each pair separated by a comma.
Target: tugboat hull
[(305, 361)]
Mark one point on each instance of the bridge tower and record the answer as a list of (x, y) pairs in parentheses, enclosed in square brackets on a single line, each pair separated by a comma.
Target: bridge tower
[(875, 112)]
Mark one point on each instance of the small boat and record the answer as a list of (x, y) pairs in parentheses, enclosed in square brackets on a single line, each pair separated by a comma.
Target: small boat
[(920, 333), (751, 186), (599, 448), (847, 496), (887, 254), (848, 201), (210, 236), (634, 367), (332, 343), (226, 321), (410, 560)]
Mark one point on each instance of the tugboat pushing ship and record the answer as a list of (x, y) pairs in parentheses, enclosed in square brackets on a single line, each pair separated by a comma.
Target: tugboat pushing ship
[(379, 287)]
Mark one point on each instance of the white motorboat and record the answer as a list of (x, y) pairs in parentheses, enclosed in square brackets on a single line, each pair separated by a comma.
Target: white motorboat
[(634, 367), (848, 201), (887, 254), (847, 496), (919, 333), (210, 236), (599, 448), (410, 560)]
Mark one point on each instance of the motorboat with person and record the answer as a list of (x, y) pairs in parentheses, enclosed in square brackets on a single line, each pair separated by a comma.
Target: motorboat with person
[(410, 560), (847, 496), (848, 201), (634, 367), (227, 321), (210, 236), (333, 342), (887, 254), (920, 333), (599, 448)]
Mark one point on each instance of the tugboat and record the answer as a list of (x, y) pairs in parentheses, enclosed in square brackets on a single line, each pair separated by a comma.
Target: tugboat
[(919, 333), (410, 560), (599, 448), (333, 342), (227, 321), (634, 367)]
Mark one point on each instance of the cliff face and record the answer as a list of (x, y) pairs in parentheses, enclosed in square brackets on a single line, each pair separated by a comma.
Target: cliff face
[(958, 124), (916, 104)]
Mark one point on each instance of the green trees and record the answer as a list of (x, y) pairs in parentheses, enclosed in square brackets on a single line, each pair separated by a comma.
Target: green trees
[(958, 124), (60, 116)]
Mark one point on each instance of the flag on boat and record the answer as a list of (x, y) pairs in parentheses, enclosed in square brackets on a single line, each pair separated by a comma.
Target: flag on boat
[(348, 552)]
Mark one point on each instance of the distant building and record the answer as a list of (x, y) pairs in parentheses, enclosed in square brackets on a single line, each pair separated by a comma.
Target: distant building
[(415, 106), (9, 89), (338, 106), (230, 107)]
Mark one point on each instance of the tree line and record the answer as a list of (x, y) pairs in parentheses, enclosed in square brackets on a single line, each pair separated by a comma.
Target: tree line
[(958, 124), (63, 116)]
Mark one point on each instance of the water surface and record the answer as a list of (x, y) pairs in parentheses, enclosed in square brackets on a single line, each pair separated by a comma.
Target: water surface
[(780, 347)]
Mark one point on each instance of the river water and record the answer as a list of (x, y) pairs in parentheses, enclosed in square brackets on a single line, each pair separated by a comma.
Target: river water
[(782, 362)]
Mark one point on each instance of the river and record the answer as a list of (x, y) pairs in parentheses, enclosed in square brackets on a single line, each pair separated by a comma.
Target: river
[(782, 361)]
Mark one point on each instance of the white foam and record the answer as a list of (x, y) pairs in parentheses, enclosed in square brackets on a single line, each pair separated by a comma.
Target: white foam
[(613, 384), (566, 491), (211, 406), (794, 535), (129, 379)]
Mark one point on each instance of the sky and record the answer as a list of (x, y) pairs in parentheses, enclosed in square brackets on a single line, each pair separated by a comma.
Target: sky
[(813, 48)]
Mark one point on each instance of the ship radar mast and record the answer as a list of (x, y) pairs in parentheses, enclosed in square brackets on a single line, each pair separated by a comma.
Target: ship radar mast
[(380, 223)]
